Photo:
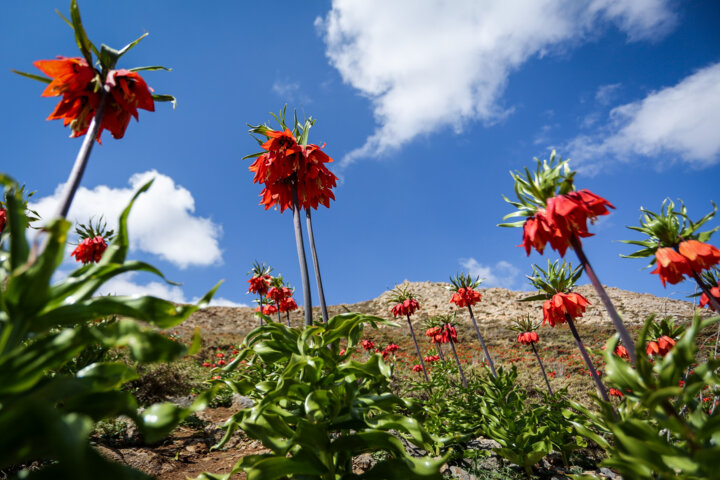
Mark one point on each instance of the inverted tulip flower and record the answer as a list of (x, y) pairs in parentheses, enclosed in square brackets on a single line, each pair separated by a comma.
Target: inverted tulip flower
[(711, 279), (563, 306), (294, 175), (554, 212), (3, 219), (527, 335), (260, 281), (278, 292), (449, 335), (404, 305), (93, 99), (435, 334), (465, 296), (94, 238), (677, 248)]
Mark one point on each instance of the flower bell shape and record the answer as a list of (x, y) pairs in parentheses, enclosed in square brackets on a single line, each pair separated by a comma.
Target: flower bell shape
[(368, 345), (528, 338), (432, 332), (3, 219), (288, 304), (128, 92), (277, 295), (701, 256), (715, 292), (671, 266), (622, 352), (90, 250), (555, 308), (536, 232), (661, 346), (614, 392), (465, 297), (405, 308), (259, 284), (417, 368)]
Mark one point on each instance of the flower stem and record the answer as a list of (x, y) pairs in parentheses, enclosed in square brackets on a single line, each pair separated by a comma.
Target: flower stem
[(288, 318), (482, 342), (439, 349), (260, 305), (316, 265), (307, 300), (586, 357), (617, 321), (81, 161), (277, 305), (542, 367), (457, 360), (417, 349), (713, 300)]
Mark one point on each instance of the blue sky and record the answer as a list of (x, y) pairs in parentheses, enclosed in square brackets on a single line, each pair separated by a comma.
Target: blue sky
[(425, 108)]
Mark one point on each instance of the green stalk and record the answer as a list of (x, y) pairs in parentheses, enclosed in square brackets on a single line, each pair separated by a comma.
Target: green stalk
[(316, 265), (307, 299), (542, 367), (482, 342), (457, 360), (586, 357), (417, 349)]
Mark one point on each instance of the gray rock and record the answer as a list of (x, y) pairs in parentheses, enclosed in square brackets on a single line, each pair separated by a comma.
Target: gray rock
[(363, 463), (461, 474), (239, 402), (608, 473)]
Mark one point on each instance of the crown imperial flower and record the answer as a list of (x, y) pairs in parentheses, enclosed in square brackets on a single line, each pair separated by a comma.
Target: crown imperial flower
[(527, 338), (661, 346), (90, 250), (406, 308), (465, 297), (701, 256), (671, 266), (3, 219), (555, 308)]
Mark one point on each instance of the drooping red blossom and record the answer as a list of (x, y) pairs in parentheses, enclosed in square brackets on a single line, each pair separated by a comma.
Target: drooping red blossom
[(555, 308), (128, 92), (448, 333), (536, 232), (432, 332), (661, 346), (417, 368), (3, 219), (614, 392), (90, 250), (671, 266), (699, 255), (705, 301), (465, 297), (277, 295), (595, 205), (622, 352), (392, 348), (342, 352), (406, 308), (267, 310), (368, 345), (259, 284), (288, 305), (528, 338), (431, 358)]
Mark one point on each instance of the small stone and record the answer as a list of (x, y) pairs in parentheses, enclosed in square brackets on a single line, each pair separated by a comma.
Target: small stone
[(461, 474), (363, 463), (608, 473)]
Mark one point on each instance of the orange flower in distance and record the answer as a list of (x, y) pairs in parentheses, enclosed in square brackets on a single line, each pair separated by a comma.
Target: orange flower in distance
[(699, 255), (671, 266), (287, 304), (90, 250), (465, 297), (528, 338), (661, 346), (572, 304), (408, 307), (715, 292)]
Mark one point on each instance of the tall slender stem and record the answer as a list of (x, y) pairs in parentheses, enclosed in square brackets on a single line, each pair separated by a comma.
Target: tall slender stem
[(82, 158), (713, 301), (307, 299), (417, 349), (277, 305), (316, 265), (439, 349), (586, 357), (482, 342), (260, 306), (542, 367), (288, 317), (457, 360), (617, 321)]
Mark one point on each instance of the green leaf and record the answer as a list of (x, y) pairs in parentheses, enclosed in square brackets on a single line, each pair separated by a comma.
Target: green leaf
[(81, 38), (166, 98), (132, 44), (151, 68), (32, 76)]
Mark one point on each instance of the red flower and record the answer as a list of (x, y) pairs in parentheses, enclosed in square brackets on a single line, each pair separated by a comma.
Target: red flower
[(594, 205), (128, 92), (465, 297), (614, 392), (699, 255), (552, 374), (622, 352), (447, 333), (90, 250), (433, 331), (408, 307), (536, 232), (661, 346), (3, 219), (368, 345), (288, 305), (267, 309), (671, 266), (554, 309), (392, 348), (74, 79), (277, 295), (528, 338), (417, 368), (715, 292), (432, 358), (259, 284)]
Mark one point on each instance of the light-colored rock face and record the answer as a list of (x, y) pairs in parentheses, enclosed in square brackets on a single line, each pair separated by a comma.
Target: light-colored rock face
[(498, 308)]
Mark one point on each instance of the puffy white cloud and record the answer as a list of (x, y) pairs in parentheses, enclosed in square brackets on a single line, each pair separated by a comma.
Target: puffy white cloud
[(125, 285), (428, 64), (503, 274), (606, 93), (161, 222), (681, 121)]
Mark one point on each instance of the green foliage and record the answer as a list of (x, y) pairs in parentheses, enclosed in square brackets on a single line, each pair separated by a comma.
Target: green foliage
[(661, 429), (533, 189), (668, 228), (321, 408), (463, 280), (559, 277), (499, 409), (54, 384)]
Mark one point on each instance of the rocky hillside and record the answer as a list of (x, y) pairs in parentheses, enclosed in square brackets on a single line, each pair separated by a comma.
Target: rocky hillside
[(498, 308)]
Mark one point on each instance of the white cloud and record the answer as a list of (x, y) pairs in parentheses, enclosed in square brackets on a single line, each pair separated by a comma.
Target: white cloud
[(680, 121), (606, 93), (124, 285), (426, 64), (161, 222), (503, 274), (290, 91)]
